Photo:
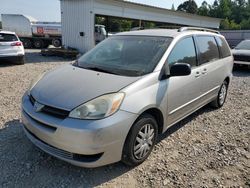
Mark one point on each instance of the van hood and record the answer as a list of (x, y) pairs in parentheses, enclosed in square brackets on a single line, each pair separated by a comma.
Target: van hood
[(68, 87)]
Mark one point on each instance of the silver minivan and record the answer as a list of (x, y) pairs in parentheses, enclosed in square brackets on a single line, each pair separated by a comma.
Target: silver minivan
[(115, 101)]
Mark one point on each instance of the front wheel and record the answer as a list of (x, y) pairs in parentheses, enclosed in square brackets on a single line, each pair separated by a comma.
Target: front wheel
[(222, 95), (140, 140), (27, 43)]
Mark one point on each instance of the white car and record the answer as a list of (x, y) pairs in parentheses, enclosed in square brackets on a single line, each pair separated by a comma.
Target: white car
[(11, 48)]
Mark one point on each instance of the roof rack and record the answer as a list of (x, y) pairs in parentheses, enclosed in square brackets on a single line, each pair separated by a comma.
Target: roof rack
[(197, 29)]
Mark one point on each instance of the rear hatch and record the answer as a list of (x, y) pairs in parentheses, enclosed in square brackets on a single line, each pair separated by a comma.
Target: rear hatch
[(9, 44)]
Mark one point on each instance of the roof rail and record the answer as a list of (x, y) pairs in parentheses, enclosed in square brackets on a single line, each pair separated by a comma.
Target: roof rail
[(197, 29)]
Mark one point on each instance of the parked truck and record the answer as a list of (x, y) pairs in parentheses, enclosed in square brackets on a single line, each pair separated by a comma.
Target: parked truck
[(234, 37), (39, 34)]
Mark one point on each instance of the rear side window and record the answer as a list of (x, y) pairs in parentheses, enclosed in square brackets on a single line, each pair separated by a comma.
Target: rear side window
[(183, 52), (224, 49), (7, 37), (208, 49)]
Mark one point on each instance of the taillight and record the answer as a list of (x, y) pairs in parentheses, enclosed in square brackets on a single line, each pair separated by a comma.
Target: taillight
[(16, 44)]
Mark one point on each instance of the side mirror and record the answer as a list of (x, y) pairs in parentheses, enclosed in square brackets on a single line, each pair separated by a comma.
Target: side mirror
[(180, 69)]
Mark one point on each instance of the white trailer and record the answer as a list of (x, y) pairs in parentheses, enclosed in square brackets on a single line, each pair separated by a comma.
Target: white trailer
[(32, 32), (38, 34)]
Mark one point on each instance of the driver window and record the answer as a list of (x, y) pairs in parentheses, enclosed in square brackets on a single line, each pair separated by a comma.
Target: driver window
[(183, 52)]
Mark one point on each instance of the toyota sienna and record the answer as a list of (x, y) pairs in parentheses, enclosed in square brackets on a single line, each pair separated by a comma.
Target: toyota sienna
[(114, 101)]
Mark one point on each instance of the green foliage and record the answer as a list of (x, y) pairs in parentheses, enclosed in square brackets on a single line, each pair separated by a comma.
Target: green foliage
[(236, 13), (119, 25), (245, 24), (227, 24), (203, 10), (189, 6)]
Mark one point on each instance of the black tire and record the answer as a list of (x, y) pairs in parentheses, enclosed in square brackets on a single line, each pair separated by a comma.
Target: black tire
[(27, 43), (38, 44), (46, 44), (221, 97), (20, 61), (129, 155), (56, 42)]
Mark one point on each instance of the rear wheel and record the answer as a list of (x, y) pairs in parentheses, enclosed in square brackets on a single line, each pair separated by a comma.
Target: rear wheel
[(56, 42), (140, 140), (222, 95), (38, 44), (27, 43)]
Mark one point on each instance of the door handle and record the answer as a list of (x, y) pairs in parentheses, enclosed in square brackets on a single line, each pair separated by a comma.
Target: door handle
[(204, 71), (197, 74)]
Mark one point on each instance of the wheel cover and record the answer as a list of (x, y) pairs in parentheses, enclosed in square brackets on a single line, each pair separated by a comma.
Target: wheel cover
[(222, 95), (37, 44), (144, 141)]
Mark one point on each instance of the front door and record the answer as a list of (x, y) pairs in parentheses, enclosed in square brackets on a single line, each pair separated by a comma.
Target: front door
[(184, 91)]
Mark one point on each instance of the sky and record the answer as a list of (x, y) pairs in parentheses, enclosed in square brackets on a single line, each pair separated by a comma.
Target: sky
[(49, 10)]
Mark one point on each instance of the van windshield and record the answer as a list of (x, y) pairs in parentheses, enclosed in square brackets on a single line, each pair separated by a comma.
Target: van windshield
[(126, 55)]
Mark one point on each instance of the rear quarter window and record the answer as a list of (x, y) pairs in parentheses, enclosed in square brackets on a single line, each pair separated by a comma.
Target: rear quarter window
[(7, 37), (223, 47), (208, 49)]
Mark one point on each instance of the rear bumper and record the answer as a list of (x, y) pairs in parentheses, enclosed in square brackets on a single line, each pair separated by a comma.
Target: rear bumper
[(12, 58), (85, 143)]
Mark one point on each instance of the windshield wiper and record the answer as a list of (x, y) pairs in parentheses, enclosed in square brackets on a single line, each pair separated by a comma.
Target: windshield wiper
[(98, 69)]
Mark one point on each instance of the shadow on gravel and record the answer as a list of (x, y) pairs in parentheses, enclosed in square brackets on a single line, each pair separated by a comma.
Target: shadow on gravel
[(185, 121), (34, 56), (5, 63), (24, 165), (242, 71)]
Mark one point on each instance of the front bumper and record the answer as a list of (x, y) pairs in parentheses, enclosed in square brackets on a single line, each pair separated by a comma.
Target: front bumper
[(86, 143), (242, 62)]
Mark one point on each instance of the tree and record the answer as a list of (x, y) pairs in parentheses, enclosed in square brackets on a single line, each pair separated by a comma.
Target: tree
[(245, 24), (239, 11), (214, 9), (203, 10), (173, 8), (188, 6), (224, 9), (227, 24)]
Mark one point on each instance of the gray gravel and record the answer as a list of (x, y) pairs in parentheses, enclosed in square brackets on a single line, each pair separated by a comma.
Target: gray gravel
[(211, 148)]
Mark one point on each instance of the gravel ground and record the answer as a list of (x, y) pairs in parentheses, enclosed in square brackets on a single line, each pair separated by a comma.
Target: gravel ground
[(211, 148)]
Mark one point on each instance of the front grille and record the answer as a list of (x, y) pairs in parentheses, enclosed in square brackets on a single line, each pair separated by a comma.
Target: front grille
[(43, 125), (242, 58), (59, 152), (51, 110), (55, 112)]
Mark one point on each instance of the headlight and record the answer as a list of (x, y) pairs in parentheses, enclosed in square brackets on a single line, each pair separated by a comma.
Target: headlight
[(98, 108), (34, 82)]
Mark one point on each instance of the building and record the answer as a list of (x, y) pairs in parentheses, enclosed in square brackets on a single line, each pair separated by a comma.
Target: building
[(78, 18)]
